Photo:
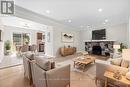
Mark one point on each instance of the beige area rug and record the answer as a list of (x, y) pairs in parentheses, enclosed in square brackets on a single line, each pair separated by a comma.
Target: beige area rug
[(78, 77)]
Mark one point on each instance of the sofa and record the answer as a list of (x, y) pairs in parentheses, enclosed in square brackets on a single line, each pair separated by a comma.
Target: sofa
[(27, 59), (112, 66), (45, 76)]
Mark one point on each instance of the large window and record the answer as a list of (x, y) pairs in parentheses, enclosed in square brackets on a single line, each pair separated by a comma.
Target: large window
[(21, 38)]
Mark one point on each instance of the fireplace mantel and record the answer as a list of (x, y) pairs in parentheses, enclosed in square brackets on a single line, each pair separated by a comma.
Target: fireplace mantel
[(99, 40)]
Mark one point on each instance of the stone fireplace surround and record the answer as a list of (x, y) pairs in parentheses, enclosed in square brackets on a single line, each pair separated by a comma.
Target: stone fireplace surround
[(99, 47)]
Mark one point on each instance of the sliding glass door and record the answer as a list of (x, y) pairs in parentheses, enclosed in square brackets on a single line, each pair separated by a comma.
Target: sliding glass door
[(21, 39)]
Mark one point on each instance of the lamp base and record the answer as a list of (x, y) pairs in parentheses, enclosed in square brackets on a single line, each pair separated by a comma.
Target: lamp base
[(128, 75)]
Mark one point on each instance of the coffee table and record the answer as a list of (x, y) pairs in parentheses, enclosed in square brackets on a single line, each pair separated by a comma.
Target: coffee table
[(82, 61)]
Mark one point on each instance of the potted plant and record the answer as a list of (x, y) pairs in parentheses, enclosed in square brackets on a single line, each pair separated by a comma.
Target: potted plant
[(122, 46), (8, 47), (26, 39)]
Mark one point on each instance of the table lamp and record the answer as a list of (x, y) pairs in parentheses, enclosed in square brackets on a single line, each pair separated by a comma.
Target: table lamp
[(126, 56)]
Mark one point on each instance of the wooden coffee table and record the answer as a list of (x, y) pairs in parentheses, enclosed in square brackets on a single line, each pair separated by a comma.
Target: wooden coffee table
[(83, 61)]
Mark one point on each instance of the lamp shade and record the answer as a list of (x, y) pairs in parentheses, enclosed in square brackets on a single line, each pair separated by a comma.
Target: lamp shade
[(126, 54), (116, 46)]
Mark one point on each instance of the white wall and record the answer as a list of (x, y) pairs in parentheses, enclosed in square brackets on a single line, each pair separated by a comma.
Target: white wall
[(58, 41), (128, 34), (116, 32), (1, 43)]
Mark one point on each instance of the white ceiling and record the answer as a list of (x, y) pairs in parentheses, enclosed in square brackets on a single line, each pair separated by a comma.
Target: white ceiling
[(81, 12)]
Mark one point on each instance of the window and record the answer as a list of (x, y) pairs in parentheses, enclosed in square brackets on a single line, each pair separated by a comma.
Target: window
[(21, 38)]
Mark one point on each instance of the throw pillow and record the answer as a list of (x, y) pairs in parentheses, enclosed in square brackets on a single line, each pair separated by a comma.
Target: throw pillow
[(116, 62), (43, 63), (30, 55)]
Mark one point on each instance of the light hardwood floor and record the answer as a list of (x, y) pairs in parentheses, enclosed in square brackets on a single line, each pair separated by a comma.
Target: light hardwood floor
[(14, 77)]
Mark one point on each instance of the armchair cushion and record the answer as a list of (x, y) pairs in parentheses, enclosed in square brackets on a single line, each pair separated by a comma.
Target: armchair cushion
[(43, 63), (30, 55)]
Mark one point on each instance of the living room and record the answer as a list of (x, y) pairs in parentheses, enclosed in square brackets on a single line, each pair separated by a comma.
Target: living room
[(84, 42)]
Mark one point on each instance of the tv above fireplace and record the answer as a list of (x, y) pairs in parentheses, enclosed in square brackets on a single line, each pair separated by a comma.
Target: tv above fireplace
[(99, 34)]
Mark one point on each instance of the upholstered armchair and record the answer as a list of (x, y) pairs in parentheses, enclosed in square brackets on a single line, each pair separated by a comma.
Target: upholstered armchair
[(44, 76), (27, 59), (59, 77), (115, 65)]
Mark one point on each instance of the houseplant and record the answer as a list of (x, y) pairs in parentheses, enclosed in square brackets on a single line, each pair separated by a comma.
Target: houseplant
[(26, 39), (122, 46), (8, 47)]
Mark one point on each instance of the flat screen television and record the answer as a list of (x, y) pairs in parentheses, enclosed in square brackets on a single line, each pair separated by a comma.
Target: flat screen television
[(99, 34)]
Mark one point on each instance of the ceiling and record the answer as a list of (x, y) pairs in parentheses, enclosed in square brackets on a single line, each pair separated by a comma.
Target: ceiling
[(82, 13)]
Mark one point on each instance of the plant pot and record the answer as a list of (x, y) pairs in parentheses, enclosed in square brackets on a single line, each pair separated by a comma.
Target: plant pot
[(8, 52)]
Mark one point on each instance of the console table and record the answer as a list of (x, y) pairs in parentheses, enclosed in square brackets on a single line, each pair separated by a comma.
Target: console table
[(67, 51)]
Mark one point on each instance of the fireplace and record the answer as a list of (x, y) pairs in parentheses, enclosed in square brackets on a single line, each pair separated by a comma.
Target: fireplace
[(97, 50), (99, 47)]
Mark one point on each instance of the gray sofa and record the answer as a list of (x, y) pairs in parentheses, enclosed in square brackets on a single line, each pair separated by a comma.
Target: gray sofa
[(102, 66)]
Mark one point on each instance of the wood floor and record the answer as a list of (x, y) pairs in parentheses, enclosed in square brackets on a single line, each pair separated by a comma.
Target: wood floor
[(14, 77)]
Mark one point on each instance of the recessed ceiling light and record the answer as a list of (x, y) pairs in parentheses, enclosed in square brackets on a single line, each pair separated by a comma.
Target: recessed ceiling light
[(104, 23), (100, 9), (69, 21), (48, 11), (106, 20)]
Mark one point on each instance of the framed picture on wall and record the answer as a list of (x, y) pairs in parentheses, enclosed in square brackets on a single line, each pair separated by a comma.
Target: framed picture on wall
[(67, 37)]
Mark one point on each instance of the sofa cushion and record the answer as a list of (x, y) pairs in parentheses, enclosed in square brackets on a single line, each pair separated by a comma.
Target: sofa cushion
[(116, 62), (30, 55), (43, 63), (125, 63)]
